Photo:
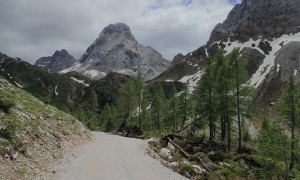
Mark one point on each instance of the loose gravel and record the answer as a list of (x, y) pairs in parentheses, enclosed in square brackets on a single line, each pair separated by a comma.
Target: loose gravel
[(111, 157)]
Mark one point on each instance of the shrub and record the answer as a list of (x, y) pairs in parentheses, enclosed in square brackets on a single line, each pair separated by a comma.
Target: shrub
[(176, 156), (6, 105), (9, 132), (187, 168)]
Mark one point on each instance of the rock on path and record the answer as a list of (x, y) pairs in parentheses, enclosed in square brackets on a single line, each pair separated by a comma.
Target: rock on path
[(111, 157)]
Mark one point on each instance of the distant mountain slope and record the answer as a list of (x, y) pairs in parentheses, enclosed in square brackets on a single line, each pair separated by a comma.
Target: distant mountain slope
[(71, 92), (60, 60), (262, 30), (32, 134), (117, 50)]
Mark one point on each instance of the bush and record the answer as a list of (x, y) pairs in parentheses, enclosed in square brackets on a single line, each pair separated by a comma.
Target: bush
[(187, 168), (217, 156), (176, 156), (6, 105), (9, 132)]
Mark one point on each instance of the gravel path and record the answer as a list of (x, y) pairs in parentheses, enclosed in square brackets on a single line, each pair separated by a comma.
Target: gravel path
[(111, 157)]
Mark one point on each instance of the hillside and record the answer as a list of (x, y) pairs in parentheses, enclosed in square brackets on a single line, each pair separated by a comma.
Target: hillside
[(71, 92), (32, 134)]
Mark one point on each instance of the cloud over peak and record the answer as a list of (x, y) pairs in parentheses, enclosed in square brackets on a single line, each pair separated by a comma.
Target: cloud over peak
[(34, 28)]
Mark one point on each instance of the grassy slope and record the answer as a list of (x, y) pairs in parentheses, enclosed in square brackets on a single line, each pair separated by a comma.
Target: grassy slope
[(34, 132)]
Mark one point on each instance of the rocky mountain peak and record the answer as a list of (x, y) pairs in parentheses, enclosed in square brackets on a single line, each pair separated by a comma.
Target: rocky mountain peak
[(256, 18), (61, 53), (117, 29), (116, 50), (58, 61)]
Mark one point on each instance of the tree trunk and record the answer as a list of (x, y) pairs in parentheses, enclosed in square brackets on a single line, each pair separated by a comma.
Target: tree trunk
[(238, 106), (293, 123)]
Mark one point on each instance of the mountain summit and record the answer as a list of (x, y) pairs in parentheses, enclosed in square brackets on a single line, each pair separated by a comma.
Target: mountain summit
[(60, 60), (266, 32), (256, 18), (116, 50)]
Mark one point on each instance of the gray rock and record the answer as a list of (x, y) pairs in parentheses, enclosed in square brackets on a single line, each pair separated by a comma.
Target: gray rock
[(254, 18), (60, 60), (171, 147), (198, 169), (288, 59), (164, 153), (14, 155), (174, 165), (187, 174), (116, 50)]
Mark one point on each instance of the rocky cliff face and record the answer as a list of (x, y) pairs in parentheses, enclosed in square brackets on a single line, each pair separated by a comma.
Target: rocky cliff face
[(116, 50), (60, 60), (266, 32), (254, 18)]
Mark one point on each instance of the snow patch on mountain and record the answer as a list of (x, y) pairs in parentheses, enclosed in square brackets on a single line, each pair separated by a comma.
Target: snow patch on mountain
[(20, 86), (55, 91), (192, 80), (269, 60), (93, 73), (80, 81)]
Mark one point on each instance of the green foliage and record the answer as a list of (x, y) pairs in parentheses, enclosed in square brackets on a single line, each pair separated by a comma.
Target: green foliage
[(6, 105), (223, 94), (176, 156), (185, 167), (274, 144)]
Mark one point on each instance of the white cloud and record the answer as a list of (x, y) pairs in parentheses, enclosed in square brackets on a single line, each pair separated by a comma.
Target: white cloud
[(34, 28)]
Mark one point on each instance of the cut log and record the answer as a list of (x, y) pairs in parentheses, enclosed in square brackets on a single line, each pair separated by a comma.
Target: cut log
[(188, 155)]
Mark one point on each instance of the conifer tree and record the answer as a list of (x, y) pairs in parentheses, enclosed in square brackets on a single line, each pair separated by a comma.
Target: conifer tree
[(127, 102), (205, 98), (157, 105), (290, 109), (240, 77), (139, 86)]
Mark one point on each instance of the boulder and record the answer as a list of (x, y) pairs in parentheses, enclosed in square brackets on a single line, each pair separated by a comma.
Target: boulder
[(174, 165), (171, 147), (198, 169), (164, 153)]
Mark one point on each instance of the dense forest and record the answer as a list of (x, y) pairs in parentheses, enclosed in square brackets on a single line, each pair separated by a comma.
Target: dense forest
[(213, 114)]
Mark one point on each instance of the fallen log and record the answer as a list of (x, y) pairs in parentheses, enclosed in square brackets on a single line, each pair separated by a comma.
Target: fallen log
[(188, 155)]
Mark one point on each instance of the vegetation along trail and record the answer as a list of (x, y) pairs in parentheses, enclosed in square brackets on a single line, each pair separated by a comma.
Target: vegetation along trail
[(114, 157)]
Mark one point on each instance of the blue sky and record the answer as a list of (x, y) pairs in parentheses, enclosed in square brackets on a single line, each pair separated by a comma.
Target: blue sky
[(31, 29)]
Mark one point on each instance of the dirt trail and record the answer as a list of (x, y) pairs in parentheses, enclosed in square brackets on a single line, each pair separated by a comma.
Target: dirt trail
[(111, 157)]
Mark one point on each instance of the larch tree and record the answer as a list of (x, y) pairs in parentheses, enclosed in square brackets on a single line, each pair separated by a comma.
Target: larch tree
[(127, 102), (240, 77)]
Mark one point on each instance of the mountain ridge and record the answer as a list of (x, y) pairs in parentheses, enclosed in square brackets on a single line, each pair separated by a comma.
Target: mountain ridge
[(60, 60), (117, 50)]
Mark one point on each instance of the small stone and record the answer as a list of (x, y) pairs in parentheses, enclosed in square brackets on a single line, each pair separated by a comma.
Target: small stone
[(14, 155), (53, 171), (164, 153), (242, 163), (198, 169), (6, 156), (187, 174), (171, 147), (174, 165)]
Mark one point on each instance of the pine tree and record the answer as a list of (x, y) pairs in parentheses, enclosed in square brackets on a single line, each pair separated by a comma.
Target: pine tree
[(127, 102), (173, 108), (144, 108), (290, 109), (139, 86), (205, 98), (274, 143), (184, 105), (157, 106), (240, 77), (223, 84)]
